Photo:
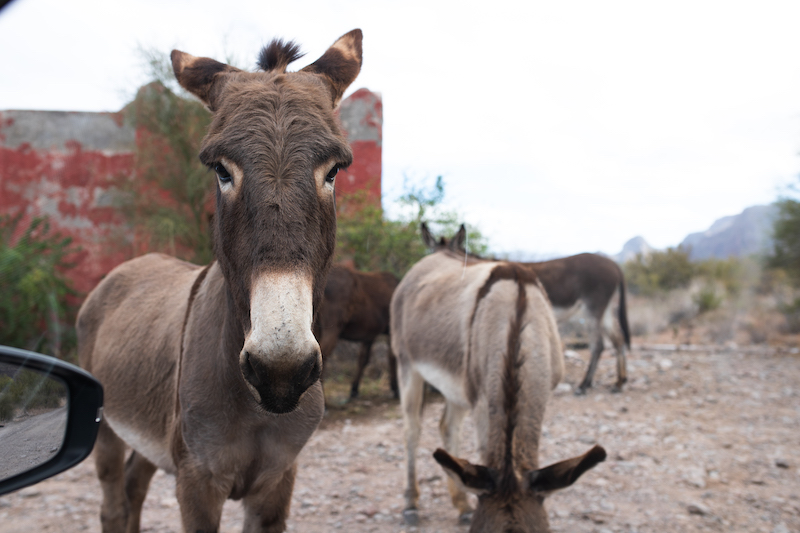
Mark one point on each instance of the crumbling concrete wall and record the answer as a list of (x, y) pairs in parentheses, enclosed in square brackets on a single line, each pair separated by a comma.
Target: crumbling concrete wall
[(63, 165), (361, 115)]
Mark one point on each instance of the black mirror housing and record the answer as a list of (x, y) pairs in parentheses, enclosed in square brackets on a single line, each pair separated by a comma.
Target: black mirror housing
[(85, 407)]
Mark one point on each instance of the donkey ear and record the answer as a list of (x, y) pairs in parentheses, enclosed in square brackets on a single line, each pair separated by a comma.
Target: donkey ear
[(427, 237), (563, 474), (458, 240), (476, 479), (340, 64), (201, 76)]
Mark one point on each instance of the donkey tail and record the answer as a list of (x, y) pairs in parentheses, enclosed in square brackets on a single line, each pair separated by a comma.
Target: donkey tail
[(623, 313)]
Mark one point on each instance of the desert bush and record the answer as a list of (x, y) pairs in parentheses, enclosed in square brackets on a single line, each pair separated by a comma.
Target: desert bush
[(732, 272), (374, 242), (35, 309), (659, 271), (786, 239), (707, 299), (791, 312)]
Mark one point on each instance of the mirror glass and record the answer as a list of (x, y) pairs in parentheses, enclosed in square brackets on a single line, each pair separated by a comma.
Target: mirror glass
[(33, 418)]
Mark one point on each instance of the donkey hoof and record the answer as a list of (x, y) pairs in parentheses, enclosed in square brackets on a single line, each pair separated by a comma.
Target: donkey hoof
[(411, 517), (465, 519), (616, 389), (580, 391)]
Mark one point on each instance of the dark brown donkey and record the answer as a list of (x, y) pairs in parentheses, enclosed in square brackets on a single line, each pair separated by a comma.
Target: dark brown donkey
[(212, 373), (590, 280), (356, 308), (484, 334)]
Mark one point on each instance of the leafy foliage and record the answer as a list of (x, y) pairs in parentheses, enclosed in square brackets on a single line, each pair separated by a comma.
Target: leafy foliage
[(34, 293), (659, 271), (374, 242), (786, 237), (707, 298), (731, 272), (168, 201)]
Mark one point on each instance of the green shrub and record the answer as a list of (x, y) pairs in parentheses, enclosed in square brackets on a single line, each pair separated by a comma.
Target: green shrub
[(786, 239), (659, 271), (707, 299), (791, 313), (731, 272), (35, 309), (376, 243)]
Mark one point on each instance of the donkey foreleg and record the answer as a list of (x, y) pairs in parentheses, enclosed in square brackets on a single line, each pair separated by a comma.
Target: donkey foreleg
[(392, 360), (266, 511), (363, 360), (622, 364), (109, 457), (411, 395), (597, 350), (199, 498), (450, 429), (138, 473)]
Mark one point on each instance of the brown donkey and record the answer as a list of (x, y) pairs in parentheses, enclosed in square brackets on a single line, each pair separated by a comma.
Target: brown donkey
[(356, 308), (484, 334), (590, 280), (212, 373)]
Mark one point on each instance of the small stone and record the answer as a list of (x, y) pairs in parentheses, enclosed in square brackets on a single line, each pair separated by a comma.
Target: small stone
[(563, 388), (29, 493), (169, 503), (664, 365), (696, 477), (780, 462), (698, 509)]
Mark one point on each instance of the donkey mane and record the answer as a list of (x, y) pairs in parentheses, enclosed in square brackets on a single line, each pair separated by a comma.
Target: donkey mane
[(471, 259), (277, 55)]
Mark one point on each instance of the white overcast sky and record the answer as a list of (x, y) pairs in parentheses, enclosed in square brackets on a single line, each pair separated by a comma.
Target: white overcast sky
[(559, 126)]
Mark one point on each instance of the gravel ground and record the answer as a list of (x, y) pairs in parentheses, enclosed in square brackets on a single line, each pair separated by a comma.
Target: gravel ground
[(703, 439)]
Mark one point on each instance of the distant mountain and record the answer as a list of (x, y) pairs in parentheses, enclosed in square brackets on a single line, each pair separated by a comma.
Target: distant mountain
[(630, 249), (749, 232)]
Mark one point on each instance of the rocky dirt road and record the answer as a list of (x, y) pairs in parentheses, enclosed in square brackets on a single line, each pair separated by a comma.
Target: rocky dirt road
[(701, 440)]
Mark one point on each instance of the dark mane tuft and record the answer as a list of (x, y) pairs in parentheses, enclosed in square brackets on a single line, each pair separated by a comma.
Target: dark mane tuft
[(278, 54)]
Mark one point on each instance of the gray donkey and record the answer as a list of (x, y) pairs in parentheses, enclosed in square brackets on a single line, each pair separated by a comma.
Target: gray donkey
[(212, 373), (483, 333)]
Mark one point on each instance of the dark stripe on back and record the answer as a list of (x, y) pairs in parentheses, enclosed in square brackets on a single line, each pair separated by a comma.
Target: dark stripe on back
[(503, 271), (511, 388)]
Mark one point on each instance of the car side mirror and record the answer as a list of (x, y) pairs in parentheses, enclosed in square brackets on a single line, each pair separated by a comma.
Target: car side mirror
[(50, 412)]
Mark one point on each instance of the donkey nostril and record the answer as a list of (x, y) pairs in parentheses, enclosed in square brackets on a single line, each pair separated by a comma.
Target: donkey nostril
[(309, 372), (248, 371)]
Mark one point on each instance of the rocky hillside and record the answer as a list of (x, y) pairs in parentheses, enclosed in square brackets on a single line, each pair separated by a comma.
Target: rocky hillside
[(632, 248), (749, 232)]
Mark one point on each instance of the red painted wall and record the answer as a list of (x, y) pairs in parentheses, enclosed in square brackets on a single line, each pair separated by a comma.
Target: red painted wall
[(63, 165)]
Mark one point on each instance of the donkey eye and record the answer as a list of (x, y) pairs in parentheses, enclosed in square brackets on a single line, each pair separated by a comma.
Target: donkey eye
[(222, 173), (332, 174)]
